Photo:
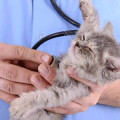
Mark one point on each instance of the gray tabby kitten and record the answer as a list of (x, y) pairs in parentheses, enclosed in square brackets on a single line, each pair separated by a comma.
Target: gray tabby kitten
[(94, 54)]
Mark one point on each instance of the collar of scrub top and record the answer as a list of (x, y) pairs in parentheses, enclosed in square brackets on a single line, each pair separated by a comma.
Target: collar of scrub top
[(55, 62)]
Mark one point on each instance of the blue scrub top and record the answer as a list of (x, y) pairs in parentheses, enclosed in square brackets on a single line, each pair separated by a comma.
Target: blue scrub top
[(24, 22)]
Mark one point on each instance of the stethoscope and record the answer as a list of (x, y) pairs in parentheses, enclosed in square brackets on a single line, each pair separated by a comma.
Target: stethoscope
[(58, 34)]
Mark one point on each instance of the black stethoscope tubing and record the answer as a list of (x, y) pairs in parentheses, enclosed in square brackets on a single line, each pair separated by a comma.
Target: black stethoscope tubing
[(63, 15), (58, 34)]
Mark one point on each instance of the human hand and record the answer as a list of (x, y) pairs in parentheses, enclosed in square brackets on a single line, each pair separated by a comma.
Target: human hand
[(46, 72), (80, 104), (14, 79)]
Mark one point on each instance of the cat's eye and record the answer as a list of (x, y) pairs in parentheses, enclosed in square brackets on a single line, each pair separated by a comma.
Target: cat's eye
[(83, 39)]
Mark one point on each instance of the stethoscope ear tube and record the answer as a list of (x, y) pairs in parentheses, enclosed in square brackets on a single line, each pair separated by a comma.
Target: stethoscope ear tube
[(63, 15), (54, 35)]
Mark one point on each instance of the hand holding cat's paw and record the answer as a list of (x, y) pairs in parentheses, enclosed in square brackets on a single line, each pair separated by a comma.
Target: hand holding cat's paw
[(80, 104), (95, 90)]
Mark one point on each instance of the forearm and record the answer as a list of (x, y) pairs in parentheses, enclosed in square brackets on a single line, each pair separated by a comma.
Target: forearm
[(111, 95)]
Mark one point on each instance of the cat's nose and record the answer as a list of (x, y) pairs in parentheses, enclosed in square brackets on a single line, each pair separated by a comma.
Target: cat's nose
[(77, 44)]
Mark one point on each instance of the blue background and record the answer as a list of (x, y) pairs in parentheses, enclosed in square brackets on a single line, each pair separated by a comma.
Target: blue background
[(24, 22)]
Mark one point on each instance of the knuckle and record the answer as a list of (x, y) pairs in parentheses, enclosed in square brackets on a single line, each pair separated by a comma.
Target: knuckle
[(35, 55), (10, 73), (9, 87), (20, 51)]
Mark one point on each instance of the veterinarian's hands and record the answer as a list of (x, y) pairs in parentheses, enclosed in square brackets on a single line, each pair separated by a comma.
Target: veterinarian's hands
[(46, 72), (14, 77), (80, 104)]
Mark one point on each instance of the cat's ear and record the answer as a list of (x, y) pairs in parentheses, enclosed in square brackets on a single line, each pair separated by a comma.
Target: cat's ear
[(112, 64), (108, 29), (111, 69)]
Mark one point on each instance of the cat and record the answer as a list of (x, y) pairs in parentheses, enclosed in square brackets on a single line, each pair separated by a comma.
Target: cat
[(94, 54)]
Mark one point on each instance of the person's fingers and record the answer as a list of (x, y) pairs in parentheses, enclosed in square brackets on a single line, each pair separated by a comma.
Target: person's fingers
[(47, 72), (7, 97), (74, 107), (72, 73), (58, 110), (81, 101), (69, 108), (39, 82), (29, 65), (93, 97), (98, 88), (26, 64), (87, 101), (15, 73), (15, 88), (11, 52)]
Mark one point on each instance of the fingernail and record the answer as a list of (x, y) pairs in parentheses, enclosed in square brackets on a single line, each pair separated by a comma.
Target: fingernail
[(45, 58), (36, 81), (43, 69), (70, 71)]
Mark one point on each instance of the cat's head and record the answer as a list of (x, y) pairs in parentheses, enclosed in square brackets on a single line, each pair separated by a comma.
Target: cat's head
[(95, 51)]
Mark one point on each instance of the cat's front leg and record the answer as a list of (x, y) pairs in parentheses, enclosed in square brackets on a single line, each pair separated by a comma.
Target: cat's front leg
[(23, 107), (52, 97), (20, 105)]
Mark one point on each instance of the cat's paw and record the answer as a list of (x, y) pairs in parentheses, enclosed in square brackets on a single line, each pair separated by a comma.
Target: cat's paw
[(85, 7), (83, 2), (18, 107)]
